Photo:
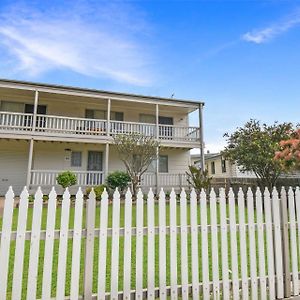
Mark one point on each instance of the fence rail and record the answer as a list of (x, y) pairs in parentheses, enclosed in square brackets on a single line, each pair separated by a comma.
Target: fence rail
[(238, 246)]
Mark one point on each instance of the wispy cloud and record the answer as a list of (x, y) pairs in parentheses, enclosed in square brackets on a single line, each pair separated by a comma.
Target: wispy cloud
[(266, 34), (103, 41)]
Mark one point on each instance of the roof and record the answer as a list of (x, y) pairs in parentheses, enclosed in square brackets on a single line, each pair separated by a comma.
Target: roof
[(35, 85), (212, 155)]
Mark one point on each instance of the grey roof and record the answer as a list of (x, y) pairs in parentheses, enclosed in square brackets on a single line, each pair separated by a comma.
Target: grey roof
[(79, 89)]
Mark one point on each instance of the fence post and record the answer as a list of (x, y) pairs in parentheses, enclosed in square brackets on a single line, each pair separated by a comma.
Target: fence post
[(285, 244), (89, 246)]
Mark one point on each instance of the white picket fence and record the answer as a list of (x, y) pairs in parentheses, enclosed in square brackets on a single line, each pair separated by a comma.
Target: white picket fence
[(201, 247)]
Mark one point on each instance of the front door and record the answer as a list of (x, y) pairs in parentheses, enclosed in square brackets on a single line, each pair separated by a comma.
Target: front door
[(94, 164)]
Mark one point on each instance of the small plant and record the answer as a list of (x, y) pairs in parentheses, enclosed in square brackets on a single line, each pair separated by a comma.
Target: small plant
[(118, 179), (97, 189), (66, 179), (198, 179)]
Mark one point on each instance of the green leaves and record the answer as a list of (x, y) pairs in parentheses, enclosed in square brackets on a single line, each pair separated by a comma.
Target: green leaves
[(252, 148)]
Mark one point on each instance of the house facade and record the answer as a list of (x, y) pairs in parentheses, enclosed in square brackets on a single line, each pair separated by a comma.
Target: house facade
[(46, 129)]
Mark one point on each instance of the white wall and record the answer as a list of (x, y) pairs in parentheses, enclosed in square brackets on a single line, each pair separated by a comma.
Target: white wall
[(13, 164)]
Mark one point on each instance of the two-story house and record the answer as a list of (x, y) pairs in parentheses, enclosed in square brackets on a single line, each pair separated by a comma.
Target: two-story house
[(46, 129)]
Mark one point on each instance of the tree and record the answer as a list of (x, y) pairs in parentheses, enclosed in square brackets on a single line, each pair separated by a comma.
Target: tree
[(137, 152), (197, 179), (252, 148), (289, 153)]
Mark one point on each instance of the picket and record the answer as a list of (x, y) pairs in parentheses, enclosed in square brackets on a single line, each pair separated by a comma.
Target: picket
[(261, 245), (277, 243), (233, 246), (184, 245), (20, 243), (162, 245), (5, 240), (102, 246), (214, 241), (63, 245), (49, 243), (224, 243), (173, 245), (35, 244), (252, 244), (76, 249), (151, 249), (114, 283), (270, 246), (243, 245), (293, 241), (204, 245), (218, 226), (127, 245), (194, 242), (139, 245)]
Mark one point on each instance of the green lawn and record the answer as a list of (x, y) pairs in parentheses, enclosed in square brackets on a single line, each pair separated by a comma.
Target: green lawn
[(96, 253)]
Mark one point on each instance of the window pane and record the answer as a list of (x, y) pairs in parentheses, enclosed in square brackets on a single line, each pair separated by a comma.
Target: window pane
[(163, 164), (76, 159), (12, 106), (95, 114), (147, 118)]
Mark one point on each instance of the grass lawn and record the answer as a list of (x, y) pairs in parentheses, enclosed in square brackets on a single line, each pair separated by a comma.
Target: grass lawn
[(97, 253)]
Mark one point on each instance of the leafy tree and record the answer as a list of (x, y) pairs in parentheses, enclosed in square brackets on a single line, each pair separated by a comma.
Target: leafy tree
[(137, 152), (289, 153), (197, 179), (252, 148), (66, 179)]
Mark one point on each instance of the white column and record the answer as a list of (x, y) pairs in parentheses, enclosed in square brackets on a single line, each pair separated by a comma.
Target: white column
[(36, 100), (108, 116), (106, 160), (29, 164), (201, 136), (157, 149)]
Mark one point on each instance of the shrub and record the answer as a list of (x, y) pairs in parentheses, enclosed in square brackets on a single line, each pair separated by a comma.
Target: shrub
[(66, 179), (97, 189), (198, 179), (118, 179)]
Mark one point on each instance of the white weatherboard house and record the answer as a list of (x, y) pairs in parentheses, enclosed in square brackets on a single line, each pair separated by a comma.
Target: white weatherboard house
[(46, 129)]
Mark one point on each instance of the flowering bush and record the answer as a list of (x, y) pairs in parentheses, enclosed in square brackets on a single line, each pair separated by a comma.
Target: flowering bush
[(289, 154)]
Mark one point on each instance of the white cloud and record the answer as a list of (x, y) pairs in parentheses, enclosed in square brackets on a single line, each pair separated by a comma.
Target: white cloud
[(265, 34), (104, 41)]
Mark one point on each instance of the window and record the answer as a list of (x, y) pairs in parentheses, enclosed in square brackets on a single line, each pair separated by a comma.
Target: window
[(76, 159), (223, 164), (117, 116), (163, 164), (213, 168), (95, 114), (147, 118), (12, 106)]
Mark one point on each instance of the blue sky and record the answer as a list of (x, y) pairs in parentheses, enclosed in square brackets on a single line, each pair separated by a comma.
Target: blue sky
[(241, 57)]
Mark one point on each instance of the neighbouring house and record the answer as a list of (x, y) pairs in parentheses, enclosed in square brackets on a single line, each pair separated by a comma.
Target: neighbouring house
[(46, 129), (224, 171)]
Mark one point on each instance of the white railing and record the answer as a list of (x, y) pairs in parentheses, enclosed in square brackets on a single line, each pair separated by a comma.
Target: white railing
[(93, 127), (185, 246), (179, 133), (119, 127), (164, 179), (15, 121), (48, 177), (67, 125)]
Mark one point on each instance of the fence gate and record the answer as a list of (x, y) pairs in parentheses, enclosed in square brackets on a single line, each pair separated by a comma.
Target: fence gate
[(239, 246)]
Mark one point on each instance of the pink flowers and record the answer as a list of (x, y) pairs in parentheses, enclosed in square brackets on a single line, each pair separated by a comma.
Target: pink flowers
[(289, 154)]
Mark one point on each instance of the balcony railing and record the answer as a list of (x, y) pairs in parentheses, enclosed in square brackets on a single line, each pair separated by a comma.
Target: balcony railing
[(60, 125), (93, 178), (48, 177)]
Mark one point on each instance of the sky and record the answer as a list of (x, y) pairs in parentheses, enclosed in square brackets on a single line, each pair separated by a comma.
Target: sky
[(242, 58)]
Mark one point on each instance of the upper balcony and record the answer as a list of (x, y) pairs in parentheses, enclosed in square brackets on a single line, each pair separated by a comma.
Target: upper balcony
[(68, 127), (58, 113)]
